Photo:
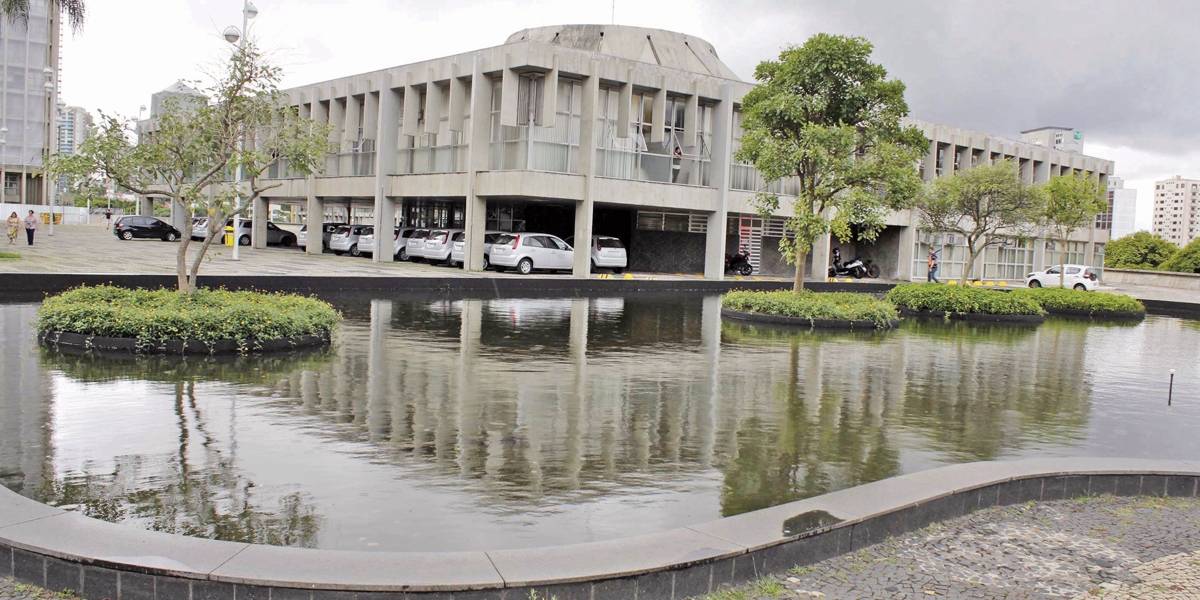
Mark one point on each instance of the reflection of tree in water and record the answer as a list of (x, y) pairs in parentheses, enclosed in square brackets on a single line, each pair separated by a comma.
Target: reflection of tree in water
[(211, 500)]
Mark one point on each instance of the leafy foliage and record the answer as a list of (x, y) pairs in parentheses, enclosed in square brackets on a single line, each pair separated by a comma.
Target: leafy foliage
[(983, 204), (154, 316), (1139, 250), (18, 11), (827, 115), (1069, 203), (188, 153), (1064, 301), (843, 306), (954, 299), (1185, 259)]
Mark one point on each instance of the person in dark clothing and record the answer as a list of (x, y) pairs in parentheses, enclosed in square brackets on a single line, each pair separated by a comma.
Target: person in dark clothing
[(933, 267), (30, 227)]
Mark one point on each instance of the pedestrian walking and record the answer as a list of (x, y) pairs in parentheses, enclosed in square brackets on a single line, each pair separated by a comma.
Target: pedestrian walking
[(107, 219), (933, 267), (30, 227), (14, 226)]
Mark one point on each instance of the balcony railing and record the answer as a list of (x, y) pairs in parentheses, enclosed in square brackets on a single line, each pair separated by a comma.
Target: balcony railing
[(280, 169), (686, 169), (350, 164), (434, 159), (746, 178)]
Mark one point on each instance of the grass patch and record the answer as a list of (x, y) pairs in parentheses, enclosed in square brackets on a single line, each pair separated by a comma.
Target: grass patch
[(840, 306), (9, 256), (154, 316), (953, 299), (1096, 304)]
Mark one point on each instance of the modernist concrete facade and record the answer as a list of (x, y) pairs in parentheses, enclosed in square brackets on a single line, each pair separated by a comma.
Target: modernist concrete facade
[(578, 130), (1177, 209), (29, 62)]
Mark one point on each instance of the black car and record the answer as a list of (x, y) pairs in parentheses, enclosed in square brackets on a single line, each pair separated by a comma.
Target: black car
[(135, 226)]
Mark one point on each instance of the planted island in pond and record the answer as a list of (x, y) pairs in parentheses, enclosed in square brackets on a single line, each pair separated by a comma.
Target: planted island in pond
[(961, 302), (843, 310), (166, 321), (1061, 301)]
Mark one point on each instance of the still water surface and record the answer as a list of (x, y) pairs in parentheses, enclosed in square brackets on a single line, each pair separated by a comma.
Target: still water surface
[(440, 424)]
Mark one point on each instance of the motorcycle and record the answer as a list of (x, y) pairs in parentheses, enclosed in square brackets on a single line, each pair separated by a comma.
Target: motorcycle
[(739, 263), (857, 268)]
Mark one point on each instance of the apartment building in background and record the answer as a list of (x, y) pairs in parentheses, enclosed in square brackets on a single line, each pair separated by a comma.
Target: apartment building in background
[(29, 61), (1177, 209), (74, 125), (582, 130), (1120, 219)]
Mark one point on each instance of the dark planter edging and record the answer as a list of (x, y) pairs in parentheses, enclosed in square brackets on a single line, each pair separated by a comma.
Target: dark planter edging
[(1084, 314), (49, 547), (977, 317), (133, 346), (800, 322)]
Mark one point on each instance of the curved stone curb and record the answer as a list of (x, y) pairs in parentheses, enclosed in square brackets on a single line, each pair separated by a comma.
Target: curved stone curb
[(977, 317), (80, 341), (52, 548), (803, 322)]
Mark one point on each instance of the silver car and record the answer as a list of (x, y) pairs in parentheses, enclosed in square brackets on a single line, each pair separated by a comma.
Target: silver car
[(345, 239), (528, 251), (607, 252), (414, 245), (276, 236), (439, 245), (458, 252), (366, 241)]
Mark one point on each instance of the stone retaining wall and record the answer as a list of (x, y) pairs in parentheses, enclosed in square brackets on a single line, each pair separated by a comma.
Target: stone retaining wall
[(1163, 279)]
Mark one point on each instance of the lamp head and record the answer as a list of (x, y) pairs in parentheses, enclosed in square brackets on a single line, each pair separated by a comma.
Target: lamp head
[(232, 34), (250, 10)]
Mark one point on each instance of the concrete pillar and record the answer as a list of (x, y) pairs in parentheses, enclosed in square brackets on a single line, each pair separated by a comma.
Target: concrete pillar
[(549, 109), (412, 111), (479, 136), (931, 161), (691, 120), (433, 104), (718, 220), (385, 157), (509, 84), (350, 123), (904, 256), (145, 206), (258, 230), (589, 107), (624, 102), (658, 113), (180, 219), (460, 100), (964, 157), (370, 116), (947, 162), (820, 258), (314, 218), (337, 120)]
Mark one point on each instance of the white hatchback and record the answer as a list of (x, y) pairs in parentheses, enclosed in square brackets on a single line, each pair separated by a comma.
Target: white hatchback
[(607, 253), (1077, 277), (529, 251), (439, 245), (458, 252), (414, 245)]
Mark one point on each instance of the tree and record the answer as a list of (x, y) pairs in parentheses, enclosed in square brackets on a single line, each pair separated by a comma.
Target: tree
[(826, 115), (984, 204), (1185, 259), (190, 150), (1070, 202), (1138, 250), (18, 10)]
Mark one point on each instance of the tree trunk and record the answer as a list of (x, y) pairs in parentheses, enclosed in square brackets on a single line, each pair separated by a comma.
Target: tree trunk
[(1062, 264), (969, 268), (181, 271), (798, 283)]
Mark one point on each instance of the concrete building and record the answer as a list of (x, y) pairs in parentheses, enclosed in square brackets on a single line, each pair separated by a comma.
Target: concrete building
[(1059, 138), (74, 124), (1177, 209), (29, 61), (1121, 217), (597, 129)]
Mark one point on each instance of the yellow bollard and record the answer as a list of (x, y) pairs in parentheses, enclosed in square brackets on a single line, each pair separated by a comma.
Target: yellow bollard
[(228, 235), (629, 276)]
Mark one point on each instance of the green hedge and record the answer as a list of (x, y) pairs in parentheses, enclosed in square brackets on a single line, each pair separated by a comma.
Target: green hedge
[(953, 299), (154, 316), (843, 306), (1066, 301)]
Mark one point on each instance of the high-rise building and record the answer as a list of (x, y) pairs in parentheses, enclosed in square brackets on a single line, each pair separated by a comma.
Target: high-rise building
[(1177, 209), (29, 62), (1121, 217), (74, 123)]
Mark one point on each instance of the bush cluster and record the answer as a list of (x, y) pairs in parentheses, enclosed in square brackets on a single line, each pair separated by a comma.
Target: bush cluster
[(155, 316), (842, 306), (952, 299), (1066, 301), (1144, 250)]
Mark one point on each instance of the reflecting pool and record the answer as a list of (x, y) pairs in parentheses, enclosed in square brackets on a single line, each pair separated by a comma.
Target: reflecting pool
[(449, 424)]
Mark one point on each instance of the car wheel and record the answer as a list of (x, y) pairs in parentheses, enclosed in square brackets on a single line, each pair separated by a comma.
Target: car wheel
[(402, 254), (288, 241), (1033, 283), (170, 237), (244, 240), (127, 235), (486, 263), (618, 270), (354, 250), (593, 266), (873, 272), (338, 252), (1080, 287), (525, 266), (745, 270)]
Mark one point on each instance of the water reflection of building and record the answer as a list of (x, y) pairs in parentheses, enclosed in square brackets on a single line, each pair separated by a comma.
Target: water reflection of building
[(26, 394)]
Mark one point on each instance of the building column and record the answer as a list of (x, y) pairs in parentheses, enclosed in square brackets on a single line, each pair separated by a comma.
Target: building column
[(904, 257), (179, 219), (718, 220), (479, 136), (587, 159), (314, 218), (145, 206), (931, 161), (261, 213), (385, 154), (820, 257)]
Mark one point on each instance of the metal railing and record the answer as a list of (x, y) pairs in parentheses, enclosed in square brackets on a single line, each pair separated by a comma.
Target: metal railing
[(685, 169), (433, 159), (350, 164)]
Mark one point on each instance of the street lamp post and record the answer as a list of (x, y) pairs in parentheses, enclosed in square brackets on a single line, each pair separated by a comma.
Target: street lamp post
[(234, 36), (51, 140)]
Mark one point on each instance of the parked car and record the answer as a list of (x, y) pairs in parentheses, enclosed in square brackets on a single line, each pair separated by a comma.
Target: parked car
[(414, 245), (366, 241), (199, 228), (528, 251), (136, 226), (439, 245), (403, 234), (345, 239), (1078, 277), (607, 253), (275, 235), (458, 251), (327, 230)]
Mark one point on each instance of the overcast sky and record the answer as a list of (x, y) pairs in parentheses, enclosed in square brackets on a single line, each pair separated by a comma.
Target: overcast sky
[(1123, 72)]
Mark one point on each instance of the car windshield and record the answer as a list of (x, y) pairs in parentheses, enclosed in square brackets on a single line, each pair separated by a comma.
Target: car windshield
[(341, 230), (460, 236), (505, 238), (492, 237), (608, 243), (420, 234)]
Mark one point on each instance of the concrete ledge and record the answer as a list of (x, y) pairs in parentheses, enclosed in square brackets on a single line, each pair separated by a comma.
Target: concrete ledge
[(801, 322), (52, 548), (1164, 279), (125, 345)]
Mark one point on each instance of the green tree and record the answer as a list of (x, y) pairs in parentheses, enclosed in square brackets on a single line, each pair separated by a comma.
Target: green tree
[(1070, 202), (18, 10), (984, 204), (1185, 259), (192, 148), (828, 116), (1139, 250)]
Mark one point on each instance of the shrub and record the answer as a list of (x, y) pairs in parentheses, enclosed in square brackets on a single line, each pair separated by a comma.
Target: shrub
[(1185, 259), (154, 316), (843, 306), (1058, 300), (952, 299), (1140, 250), (9, 256)]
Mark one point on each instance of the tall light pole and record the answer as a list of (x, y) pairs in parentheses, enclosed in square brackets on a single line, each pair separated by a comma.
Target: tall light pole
[(51, 141), (234, 36)]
